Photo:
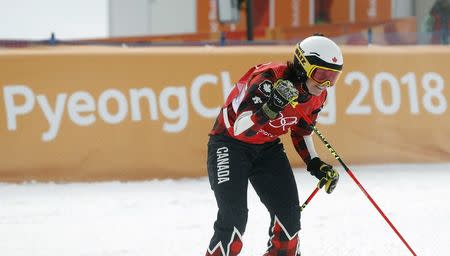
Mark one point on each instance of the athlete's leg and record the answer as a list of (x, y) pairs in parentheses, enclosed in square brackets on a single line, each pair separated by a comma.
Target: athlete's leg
[(228, 177), (275, 184)]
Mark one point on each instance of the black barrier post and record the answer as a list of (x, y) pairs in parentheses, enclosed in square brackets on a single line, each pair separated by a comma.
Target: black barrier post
[(369, 36), (52, 40), (222, 38)]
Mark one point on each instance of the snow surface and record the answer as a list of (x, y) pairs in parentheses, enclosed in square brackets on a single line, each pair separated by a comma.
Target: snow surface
[(175, 217)]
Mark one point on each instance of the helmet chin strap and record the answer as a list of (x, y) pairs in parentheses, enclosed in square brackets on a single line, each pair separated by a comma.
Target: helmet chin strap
[(300, 76), (304, 94)]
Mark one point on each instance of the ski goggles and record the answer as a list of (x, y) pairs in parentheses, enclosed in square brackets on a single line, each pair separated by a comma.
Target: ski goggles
[(322, 75)]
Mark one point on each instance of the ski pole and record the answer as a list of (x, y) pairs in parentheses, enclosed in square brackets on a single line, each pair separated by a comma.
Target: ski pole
[(323, 139), (309, 198), (334, 153)]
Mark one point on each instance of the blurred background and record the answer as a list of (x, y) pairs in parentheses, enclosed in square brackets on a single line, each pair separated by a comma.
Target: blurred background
[(227, 22)]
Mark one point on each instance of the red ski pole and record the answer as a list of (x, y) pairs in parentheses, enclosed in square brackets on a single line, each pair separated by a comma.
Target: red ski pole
[(309, 198), (334, 153)]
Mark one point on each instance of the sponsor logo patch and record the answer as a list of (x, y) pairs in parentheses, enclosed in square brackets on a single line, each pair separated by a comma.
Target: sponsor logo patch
[(283, 122)]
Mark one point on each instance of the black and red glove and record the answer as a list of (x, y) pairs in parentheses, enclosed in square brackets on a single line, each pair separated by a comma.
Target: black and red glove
[(283, 93), (328, 177)]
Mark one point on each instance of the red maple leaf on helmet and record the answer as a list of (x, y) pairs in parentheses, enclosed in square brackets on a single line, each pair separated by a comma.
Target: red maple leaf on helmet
[(334, 59)]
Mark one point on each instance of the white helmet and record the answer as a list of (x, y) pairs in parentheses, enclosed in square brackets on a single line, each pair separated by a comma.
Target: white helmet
[(320, 59)]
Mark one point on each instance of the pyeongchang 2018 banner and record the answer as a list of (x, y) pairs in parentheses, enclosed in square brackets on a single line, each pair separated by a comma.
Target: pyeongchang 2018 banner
[(107, 113)]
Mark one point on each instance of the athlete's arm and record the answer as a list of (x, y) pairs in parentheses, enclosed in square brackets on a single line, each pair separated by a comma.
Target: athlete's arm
[(250, 119), (301, 136), (249, 114)]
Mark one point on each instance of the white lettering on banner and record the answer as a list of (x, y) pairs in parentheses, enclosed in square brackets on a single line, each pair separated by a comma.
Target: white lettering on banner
[(433, 84), (433, 99), (13, 110), (103, 106), (356, 107), (202, 80), (227, 86), (136, 95), (83, 109), (53, 117), (197, 84), (425, 95), (388, 109), (81, 102), (181, 113)]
